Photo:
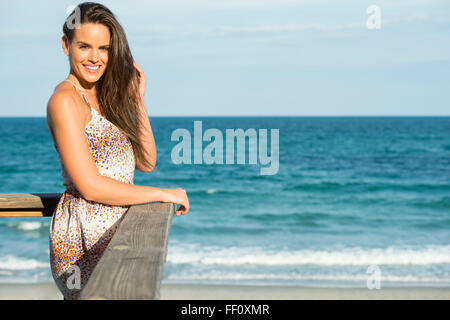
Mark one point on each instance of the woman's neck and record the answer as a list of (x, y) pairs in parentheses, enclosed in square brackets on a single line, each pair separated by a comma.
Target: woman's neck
[(88, 87)]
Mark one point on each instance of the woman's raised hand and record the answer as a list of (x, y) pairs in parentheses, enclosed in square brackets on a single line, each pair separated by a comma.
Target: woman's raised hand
[(142, 80)]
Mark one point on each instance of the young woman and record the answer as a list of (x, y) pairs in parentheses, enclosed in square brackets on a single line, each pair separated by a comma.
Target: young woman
[(99, 124)]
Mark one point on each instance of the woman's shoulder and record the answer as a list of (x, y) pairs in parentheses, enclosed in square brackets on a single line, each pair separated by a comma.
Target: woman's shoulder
[(64, 103), (63, 93), (62, 100)]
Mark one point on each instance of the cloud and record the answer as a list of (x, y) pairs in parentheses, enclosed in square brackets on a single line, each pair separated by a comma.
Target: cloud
[(292, 27)]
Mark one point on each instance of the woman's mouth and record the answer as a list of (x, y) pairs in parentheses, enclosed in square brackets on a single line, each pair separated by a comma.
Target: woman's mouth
[(91, 68)]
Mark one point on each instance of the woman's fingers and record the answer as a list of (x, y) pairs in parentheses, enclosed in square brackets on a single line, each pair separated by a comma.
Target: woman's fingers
[(141, 79), (179, 197), (184, 207), (181, 210), (140, 71)]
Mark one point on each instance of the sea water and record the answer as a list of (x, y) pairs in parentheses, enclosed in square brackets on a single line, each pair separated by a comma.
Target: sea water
[(351, 194)]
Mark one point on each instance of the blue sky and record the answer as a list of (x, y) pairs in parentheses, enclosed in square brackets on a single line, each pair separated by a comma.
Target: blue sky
[(248, 57)]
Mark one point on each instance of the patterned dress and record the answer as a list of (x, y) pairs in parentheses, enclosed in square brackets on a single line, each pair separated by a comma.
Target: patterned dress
[(80, 230)]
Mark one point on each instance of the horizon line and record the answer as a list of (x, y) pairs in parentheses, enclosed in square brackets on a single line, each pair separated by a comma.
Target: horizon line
[(270, 116)]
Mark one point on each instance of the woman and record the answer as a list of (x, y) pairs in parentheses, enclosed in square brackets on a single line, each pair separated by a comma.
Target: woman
[(101, 131)]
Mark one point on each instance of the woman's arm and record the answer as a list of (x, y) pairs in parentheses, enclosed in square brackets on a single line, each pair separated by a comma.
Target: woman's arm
[(145, 133), (147, 139), (66, 123), (107, 190)]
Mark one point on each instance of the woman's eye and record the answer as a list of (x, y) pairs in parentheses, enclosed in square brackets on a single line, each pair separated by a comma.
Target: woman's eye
[(83, 47)]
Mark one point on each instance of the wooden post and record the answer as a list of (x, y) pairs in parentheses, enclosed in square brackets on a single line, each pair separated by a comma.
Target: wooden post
[(131, 267)]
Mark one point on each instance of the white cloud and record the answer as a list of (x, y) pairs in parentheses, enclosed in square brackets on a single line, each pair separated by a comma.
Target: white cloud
[(225, 30), (285, 28)]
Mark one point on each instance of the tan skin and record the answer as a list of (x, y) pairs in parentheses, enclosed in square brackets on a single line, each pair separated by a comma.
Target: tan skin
[(68, 114)]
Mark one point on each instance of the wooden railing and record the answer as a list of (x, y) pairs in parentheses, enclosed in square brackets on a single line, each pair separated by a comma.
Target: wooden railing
[(132, 265), (28, 204)]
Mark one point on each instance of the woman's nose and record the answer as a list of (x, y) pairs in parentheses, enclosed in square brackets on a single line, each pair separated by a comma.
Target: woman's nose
[(93, 56)]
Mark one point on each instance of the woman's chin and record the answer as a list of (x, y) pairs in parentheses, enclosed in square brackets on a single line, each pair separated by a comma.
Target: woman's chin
[(91, 78)]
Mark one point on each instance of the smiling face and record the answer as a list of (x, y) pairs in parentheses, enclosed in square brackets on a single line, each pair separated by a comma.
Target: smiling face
[(88, 51)]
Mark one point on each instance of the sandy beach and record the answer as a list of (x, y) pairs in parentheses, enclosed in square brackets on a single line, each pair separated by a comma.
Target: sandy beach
[(48, 291)]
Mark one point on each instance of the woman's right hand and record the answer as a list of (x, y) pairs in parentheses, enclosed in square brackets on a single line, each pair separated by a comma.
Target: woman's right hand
[(178, 196)]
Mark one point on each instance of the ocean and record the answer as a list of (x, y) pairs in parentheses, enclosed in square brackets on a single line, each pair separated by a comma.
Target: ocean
[(351, 195)]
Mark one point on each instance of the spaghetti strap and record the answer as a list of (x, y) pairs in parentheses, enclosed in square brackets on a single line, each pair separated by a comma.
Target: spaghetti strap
[(74, 85), (93, 110), (81, 91)]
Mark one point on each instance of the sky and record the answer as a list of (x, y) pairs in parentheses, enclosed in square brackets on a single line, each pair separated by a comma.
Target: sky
[(248, 57)]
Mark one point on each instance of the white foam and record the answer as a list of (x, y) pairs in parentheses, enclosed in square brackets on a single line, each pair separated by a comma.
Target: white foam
[(296, 277), (356, 256), (11, 262), (211, 191), (28, 226)]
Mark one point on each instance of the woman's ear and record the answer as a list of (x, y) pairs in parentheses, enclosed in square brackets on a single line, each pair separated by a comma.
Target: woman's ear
[(65, 45)]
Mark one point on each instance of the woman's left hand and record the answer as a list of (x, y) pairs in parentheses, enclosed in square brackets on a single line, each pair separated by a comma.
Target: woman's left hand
[(141, 79)]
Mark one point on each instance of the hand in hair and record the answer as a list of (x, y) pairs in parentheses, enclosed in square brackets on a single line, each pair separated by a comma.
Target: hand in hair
[(141, 80)]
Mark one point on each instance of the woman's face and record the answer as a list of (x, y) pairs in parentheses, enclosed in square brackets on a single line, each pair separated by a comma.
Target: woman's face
[(88, 52)]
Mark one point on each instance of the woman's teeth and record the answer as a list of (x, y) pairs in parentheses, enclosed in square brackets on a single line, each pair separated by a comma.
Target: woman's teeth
[(92, 68)]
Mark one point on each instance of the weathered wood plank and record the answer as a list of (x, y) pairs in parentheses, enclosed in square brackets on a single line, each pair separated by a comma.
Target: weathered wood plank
[(28, 204), (20, 213), (132, 264)]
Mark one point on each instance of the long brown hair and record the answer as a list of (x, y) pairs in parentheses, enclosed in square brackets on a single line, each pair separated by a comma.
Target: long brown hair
[(117, 89)]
